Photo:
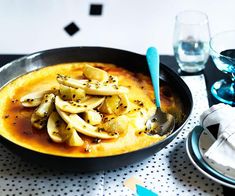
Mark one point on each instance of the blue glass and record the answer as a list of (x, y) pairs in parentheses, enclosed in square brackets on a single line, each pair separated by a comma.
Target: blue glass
[(222, 51)]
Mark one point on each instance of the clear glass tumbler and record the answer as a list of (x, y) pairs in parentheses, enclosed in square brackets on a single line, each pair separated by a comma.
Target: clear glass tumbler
[(191, 40)]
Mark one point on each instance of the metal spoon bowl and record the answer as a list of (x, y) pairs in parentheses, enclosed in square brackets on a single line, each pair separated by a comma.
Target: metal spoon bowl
[(160, 123)]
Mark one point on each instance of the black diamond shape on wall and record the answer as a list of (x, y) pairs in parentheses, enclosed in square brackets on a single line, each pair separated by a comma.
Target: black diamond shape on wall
[(71, 29), (96, 9)]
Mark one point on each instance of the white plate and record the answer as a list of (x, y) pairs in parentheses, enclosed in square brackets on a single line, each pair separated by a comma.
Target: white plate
[(198, 141)]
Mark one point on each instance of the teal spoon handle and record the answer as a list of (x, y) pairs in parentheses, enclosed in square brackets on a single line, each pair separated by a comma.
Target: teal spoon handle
[(154, 66)]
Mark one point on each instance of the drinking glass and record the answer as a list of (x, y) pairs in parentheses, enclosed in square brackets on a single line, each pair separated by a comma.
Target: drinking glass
[(191, 40), (222, 51)]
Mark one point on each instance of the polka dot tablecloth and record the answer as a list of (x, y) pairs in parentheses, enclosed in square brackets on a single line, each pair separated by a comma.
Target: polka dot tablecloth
[(168, 172)]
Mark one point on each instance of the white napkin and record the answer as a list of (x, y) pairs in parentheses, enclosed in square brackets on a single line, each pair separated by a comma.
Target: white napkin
[(222, 152)]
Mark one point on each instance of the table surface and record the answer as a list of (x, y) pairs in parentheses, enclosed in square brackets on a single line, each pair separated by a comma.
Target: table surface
[(170, 62)]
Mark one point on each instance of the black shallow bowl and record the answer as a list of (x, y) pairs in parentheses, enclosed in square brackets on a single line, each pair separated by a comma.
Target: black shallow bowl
[(128, 60)]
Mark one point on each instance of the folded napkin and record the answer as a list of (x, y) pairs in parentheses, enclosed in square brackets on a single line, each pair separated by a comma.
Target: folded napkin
[(222, 152)]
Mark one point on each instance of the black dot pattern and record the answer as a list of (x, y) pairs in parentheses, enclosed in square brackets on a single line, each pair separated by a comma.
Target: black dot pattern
[(71, 28), (168, 172), (96, 9)]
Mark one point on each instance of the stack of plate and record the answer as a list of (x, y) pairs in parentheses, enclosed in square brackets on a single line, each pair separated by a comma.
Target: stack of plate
[(198, 142)]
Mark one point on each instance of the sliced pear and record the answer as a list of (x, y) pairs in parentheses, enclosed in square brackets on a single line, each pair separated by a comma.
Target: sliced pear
[(110, 105), (41, 114), (46, 106), (92, 117), (74, 139), (32, 102), (37, 121), (59, 133), (78, 107), (92, 87), (118, 125), (34, 99), (69, 93), (124, 105), (82, 126), (56, 127), (94, 73), (116, 104)]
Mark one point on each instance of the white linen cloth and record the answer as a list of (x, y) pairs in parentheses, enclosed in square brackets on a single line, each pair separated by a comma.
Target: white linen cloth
[(222, 151)]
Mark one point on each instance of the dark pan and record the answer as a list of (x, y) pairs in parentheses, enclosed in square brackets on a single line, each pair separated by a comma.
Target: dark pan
[(131, 61)]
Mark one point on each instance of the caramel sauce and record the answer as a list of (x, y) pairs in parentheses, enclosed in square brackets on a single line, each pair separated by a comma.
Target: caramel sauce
[(20, 125)]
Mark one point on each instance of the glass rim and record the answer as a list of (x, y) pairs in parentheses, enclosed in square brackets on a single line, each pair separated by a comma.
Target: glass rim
[(215, 36), (202, 22)]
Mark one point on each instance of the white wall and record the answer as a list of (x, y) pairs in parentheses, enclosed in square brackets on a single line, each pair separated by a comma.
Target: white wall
[(27, 26)]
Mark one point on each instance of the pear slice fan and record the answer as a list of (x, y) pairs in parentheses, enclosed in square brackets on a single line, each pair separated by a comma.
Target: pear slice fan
[(77, 107)]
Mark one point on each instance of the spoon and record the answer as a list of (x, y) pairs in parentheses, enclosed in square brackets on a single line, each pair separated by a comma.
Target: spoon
[(160, 123)]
